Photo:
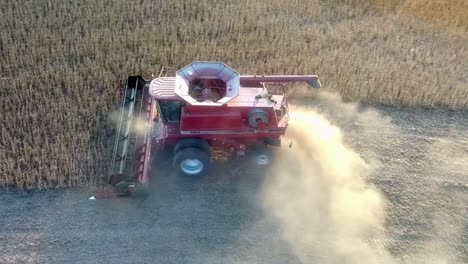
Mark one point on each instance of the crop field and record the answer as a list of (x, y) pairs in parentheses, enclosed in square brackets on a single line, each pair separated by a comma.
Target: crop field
[(62, 64)]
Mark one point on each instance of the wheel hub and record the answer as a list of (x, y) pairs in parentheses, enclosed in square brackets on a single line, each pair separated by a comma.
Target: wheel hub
[(191, 166), (263, 160)]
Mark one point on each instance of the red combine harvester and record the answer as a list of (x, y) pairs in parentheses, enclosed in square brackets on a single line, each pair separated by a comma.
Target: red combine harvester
[(206, 106)]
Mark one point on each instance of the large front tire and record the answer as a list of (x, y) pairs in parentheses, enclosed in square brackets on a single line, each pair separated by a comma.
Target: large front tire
[(191, 162), (191, 143)]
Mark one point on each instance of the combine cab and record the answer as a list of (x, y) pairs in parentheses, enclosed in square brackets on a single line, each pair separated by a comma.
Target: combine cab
[(206, 106)]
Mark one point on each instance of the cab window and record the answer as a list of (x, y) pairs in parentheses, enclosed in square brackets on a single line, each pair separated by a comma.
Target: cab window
[(169, 110)]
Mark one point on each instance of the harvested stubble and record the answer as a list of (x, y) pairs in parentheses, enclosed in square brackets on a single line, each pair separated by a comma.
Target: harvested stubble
[(62, 64)]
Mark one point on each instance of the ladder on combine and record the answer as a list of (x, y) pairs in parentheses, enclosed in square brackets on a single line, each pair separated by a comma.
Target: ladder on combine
[(132, 148)]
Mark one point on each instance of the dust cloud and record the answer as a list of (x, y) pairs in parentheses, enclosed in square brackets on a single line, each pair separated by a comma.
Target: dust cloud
[(319, 196), (139, 126)]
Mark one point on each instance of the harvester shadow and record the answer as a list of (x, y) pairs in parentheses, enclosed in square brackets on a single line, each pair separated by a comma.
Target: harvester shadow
[(212, 210)]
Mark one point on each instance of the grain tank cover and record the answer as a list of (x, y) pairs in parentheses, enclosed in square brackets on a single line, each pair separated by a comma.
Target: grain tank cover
[(207, 83)]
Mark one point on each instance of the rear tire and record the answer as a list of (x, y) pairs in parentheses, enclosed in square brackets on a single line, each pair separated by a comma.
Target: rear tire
[(261, 157), (191, 162)]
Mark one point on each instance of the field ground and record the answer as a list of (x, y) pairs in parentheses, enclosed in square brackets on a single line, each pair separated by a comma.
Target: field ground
[(217, 219)]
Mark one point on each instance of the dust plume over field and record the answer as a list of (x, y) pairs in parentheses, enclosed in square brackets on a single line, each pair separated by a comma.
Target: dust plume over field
[(323, 196), (320, 197)]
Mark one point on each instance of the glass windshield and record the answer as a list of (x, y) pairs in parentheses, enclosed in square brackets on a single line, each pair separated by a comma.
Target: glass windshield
[(169, 110)]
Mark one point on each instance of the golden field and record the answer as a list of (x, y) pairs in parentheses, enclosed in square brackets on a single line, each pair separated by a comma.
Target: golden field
[(62, 63)]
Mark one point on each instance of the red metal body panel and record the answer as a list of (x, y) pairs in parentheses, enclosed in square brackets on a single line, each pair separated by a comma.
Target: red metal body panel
[(227, 124), (209, 120)]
